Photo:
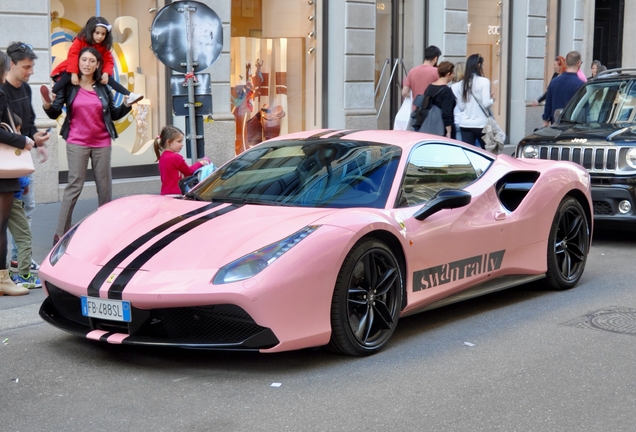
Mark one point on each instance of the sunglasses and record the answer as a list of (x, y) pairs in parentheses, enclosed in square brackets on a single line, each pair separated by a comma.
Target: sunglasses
[(20, 47)]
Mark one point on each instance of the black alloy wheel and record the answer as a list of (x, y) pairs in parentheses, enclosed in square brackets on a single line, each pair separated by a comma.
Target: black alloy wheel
[(367, 300), (568, 245)]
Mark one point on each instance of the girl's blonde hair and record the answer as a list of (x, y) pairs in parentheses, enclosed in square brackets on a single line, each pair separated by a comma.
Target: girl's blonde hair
[(460, 71), (168, 133)]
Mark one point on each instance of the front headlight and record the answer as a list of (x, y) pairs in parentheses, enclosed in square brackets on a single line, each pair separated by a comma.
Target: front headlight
[(60, 248), (630, 157), (254, 263), (530, 152)]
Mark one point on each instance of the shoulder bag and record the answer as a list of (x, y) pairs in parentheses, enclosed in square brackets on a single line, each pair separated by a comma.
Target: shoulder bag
[(14, 162), (494, 137)]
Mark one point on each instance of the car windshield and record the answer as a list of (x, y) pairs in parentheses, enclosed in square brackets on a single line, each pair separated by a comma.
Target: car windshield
[(602, 102), (307, 173)]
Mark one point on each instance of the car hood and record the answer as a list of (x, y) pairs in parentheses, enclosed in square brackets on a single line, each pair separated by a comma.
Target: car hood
[(209, 239), (596, 132)]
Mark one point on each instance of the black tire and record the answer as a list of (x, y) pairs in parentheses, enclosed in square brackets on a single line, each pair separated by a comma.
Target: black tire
[(568, 245), (367, 300)]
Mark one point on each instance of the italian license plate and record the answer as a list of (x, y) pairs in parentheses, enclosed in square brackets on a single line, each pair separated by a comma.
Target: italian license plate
[(114, 310)]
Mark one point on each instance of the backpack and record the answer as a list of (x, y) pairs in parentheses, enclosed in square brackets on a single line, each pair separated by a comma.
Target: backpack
[(433, 123), (422, 104)]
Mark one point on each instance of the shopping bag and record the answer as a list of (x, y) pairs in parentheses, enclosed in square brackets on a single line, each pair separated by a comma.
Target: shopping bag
[(403, 116), (494, 137)]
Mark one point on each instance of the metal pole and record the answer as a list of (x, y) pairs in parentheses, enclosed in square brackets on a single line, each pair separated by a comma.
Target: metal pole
[(386, 62), (388, 86), (190, 70), (98, 8)]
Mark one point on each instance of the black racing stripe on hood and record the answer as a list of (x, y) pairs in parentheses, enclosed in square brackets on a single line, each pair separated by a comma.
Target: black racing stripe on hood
[(323, 133), (345, 133), (111, 265), (119, 284)]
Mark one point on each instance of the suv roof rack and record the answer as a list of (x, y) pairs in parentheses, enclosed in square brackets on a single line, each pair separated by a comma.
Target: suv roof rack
[(617, 71)]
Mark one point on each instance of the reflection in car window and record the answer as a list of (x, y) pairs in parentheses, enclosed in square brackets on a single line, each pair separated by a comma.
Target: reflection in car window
[(432, 167), (603, 102), (308, 173)]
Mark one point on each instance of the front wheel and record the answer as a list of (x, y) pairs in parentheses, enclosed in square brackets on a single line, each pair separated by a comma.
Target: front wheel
[(567, 245), (367, 300)]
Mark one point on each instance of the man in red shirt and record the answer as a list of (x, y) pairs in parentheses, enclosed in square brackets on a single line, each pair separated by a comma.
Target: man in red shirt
[(421, 76)]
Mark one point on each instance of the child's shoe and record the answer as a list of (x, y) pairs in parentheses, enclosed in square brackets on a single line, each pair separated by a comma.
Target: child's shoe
[(29, 281), (46, 94), (133, 98)]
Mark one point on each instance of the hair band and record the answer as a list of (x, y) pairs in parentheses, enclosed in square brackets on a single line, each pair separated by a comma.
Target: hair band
[(107, 26)]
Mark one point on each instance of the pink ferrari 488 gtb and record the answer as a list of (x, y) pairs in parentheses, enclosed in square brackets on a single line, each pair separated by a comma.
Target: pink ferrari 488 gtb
[(318, 238)]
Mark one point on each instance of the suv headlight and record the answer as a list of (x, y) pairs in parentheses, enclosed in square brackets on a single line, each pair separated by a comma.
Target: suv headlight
[(530, 152), (254, 263), (630, 157)]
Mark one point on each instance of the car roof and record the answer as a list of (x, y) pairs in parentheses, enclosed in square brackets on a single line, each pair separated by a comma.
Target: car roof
[(404, 139), (618, 73)]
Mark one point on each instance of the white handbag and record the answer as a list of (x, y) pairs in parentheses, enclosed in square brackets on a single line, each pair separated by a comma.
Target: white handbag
[(403, 116), (14, 162)]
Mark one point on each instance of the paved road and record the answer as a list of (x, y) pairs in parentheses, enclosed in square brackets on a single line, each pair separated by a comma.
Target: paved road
[(534, 362)]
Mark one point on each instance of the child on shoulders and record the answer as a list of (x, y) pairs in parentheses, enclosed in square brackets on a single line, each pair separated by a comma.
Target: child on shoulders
[(96, 33)]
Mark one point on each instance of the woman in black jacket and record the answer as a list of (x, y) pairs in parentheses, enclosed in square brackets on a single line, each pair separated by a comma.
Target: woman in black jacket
[(88, 130), (443, 97)]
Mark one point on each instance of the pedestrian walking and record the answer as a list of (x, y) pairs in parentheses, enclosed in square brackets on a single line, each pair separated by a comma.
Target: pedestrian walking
[(563, 87), (20, 230), (8, 187), (456, 87), (559, 68), (19, 99), (474, 99), (442, 96), (420, 77)]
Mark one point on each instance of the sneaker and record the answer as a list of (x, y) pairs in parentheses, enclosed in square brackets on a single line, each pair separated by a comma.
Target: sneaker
[(133, 98), (46, 94), (29, 281), (35, 267)]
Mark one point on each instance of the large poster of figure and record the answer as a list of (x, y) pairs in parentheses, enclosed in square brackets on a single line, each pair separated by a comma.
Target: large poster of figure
[(264, 103)]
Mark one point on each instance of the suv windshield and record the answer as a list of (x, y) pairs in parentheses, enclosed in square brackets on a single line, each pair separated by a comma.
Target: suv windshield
[(317, 173), (602, 102)]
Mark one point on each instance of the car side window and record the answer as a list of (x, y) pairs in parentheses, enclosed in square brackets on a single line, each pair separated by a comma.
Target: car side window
[(432, 167)]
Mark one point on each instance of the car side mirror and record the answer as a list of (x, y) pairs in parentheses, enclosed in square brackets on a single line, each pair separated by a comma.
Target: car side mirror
[(444, 199), (557, 115)]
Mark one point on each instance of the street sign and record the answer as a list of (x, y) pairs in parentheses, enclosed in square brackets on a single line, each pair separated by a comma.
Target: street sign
[(202, 105), (179, 85)]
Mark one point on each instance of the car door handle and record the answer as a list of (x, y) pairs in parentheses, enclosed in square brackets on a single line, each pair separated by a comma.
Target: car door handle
[(500, 215)]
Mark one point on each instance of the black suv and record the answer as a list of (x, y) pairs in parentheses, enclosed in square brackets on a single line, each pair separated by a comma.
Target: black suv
[(597, 129)]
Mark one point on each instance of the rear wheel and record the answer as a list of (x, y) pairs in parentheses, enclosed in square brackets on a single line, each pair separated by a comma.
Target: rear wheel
[(366, 300), (567, 245)]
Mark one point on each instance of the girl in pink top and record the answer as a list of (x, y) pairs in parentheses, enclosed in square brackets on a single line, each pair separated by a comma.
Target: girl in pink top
[(172, 166)]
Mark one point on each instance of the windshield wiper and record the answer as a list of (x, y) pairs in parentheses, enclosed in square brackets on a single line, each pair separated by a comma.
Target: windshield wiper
[(240, 201), (193, 196)]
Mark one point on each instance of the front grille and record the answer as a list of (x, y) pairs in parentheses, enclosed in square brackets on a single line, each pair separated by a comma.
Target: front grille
[(67, 305), (602, 208), (213, 324), (595, 159)]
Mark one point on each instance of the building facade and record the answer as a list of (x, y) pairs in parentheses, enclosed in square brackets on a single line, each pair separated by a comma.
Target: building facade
[(291, 65)]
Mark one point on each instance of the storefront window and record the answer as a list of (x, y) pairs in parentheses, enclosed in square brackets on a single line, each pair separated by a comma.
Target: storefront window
[(485, 36), (136, 68), (273, 51)]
